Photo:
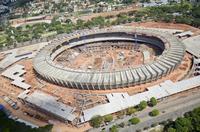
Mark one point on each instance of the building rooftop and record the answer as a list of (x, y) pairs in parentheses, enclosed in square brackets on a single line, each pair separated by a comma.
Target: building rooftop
[(52, 105), (15, 73), (120, 101), (192, 45)]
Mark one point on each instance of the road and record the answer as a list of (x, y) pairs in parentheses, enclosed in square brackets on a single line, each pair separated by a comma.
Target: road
[(169, 108)]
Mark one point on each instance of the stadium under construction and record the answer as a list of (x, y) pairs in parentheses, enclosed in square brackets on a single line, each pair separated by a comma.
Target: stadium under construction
[(108, 74)]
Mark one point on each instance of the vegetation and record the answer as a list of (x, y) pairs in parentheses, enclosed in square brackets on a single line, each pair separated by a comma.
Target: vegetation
[(114, 128), (176, 13), (10, 125), (179, 13), (96, 121), (189, 123), (134, 120), (171, 130), (154, 112), (2, 39), (142, 105), (108, 118), (21, 3), (153, 101), (113, 1), (130, 111), (129, 1)]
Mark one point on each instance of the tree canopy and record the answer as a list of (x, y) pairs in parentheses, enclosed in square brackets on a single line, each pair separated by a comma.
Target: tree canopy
[(142, 105), (189, 123), (130, 110), (153, 101), (108, 118), (177, 13), (96, 121), (10, 125), (134, 120), (154, 112), (114, 128)]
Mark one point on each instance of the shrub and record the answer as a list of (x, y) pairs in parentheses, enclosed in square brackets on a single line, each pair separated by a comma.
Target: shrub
[(108, 118), (130, 110), (142, 105), (134, 120), (153, 101), (154, 112), (114, 128), (171, 129), (96, 121)]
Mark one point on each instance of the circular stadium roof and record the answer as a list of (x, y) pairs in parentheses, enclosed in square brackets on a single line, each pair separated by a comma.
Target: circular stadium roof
[(173, 52)]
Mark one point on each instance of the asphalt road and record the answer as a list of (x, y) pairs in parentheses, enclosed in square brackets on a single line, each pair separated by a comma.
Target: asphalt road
[(169, 108), (177, 109)]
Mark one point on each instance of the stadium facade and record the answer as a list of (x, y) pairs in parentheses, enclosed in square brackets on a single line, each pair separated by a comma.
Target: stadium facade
[(164, 64)]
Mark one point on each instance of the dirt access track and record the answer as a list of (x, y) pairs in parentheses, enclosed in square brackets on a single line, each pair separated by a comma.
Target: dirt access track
[(164, 26), (110, 13)]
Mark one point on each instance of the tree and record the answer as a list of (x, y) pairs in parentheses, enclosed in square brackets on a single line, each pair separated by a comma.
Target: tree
[(167, 18), (196, 22), (130, 110), (98, 21), (154, 112), (137, 19), (196, 12), (142, 105), (114, 128), (80, 24), (122, 18), (21, 3), (183, 19), (183, 124), (143, 1), (10, 125), (153, 101), (134, 120), (108, 118), (190, 122), (128, 1), (96, 121), (171, 129)]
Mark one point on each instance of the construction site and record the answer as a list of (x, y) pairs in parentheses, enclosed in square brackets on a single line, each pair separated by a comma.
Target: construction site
[(107, 56), (95, 72)]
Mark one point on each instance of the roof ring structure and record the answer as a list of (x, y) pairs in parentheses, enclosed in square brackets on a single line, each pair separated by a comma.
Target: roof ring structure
[(173, 52)]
